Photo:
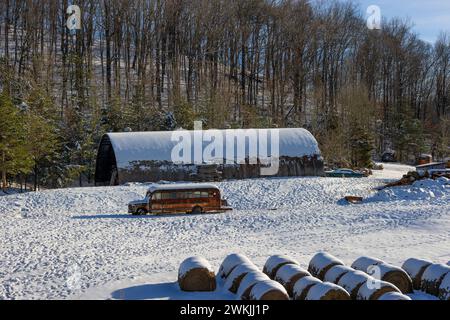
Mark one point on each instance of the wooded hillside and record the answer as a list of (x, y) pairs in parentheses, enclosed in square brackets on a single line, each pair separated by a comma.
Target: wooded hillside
[(159, 65)]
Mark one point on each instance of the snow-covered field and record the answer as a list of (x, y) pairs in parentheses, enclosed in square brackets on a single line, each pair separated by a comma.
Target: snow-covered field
[(81, 243)]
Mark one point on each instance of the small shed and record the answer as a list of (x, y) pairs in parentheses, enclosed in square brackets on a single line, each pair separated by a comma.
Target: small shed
[(148, 156), (421, 169)]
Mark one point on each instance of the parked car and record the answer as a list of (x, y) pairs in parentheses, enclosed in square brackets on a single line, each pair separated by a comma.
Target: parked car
[(180, 198), (344, 173)]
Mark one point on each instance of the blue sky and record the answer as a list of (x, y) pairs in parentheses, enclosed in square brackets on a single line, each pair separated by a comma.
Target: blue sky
[(429, 17)]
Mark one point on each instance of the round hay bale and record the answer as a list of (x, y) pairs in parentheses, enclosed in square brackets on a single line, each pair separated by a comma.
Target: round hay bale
[(372, 289), (391, 296), (415, 268), (230, 262), (432, 278), (248, 281), (288, 275), (196, 274), (363, 263), (352, 282), (327, 291), (235, 277), (302, 287), (444, 288), (397, 276), (276, 262), (321, 263), (268, 290), (335, 273)]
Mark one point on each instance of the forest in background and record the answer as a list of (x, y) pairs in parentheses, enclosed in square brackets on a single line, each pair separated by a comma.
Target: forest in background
[(138, 65)]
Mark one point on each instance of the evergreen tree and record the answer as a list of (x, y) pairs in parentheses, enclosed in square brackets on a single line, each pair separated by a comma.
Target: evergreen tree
[(14, 156)]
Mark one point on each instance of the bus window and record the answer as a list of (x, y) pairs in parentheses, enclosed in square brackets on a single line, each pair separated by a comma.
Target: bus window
[(156, 196), (204, 194)]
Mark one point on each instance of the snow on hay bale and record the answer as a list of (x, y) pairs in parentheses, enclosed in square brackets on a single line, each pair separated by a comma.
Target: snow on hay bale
[(363, 263), (235, 277), (373, 289), (352, 282), (248, 281), (394, 296), (268, 290), (432, 278), (327, 291), (288, 275), (415, 268), (196, 274), (386, 272), (302, 287), (335, 273), (321, 263), (444, 288), (397, 276), (230, 262), (276, 262)]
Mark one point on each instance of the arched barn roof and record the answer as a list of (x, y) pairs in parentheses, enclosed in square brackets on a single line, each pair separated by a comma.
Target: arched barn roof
[(121, 150)]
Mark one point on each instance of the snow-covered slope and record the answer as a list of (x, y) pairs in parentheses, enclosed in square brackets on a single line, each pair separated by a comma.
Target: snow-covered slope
[(77, 242)]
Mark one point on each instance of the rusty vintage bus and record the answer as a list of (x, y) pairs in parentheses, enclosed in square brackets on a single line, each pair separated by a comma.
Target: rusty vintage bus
[(180, 198)]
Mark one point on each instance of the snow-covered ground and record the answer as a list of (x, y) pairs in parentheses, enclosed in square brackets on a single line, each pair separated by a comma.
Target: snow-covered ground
[(81, 243)]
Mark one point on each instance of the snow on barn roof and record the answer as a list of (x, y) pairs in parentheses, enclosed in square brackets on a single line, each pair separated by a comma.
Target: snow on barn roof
[(158, 145)]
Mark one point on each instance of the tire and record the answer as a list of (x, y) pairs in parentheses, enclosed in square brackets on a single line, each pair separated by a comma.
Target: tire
[(141, 212), (197, 210)]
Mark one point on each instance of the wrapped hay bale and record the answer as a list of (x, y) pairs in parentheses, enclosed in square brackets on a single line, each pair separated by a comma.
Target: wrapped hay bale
[(230, 262), (196, 274), (288, 275), (444, 288), (268, 290), (352, 282), (321, 263), (432, 278), (363, 263), (327, 291), (248, 281), (394, 296), (372, 289), (335, 273), (397, 276), (235, 277), (415, 268), (302, 287), (276, 262)]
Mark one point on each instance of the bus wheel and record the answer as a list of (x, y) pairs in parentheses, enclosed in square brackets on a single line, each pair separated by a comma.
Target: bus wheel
[(141, 212), (197, 210)]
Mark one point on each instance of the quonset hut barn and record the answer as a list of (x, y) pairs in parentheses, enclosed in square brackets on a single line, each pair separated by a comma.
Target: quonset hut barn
[(213, 155)]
